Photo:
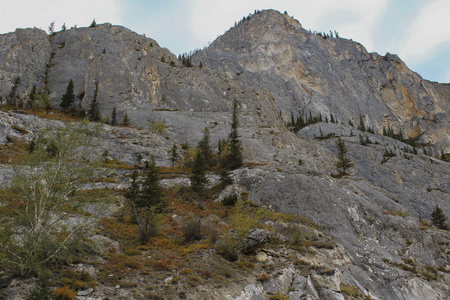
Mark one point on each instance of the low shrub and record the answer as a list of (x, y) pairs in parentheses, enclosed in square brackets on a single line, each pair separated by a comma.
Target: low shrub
[(230, 200), (264, 277), (192, 230), (64, 293)]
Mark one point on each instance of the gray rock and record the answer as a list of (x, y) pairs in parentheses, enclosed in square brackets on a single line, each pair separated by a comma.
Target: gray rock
[(311, 290), (327, 294), (85, 292), (280, 283), (254, 239)]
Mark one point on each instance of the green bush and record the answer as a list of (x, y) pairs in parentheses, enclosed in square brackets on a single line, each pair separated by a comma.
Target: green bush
[(157, 127), (192, 230), (230, 200)]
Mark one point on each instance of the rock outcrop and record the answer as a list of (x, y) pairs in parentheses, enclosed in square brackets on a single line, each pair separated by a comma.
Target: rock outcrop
[(306, 72)]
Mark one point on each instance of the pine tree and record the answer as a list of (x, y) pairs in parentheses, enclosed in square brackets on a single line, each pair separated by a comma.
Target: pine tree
[(94, 113), (93, 24), (204, 147), (125, 121), (132, 192), (139, 158), (69, 97), (198, 177), (343, 161), (114, 116), (12, 94), (438, 218), (200, 65), (151, 194), (32, 98), (174, 154), (188, 62), (362, 125), (234, 158)]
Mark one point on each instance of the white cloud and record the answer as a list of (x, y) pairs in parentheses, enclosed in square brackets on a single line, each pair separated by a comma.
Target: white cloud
[(32, 13), (430, 31)]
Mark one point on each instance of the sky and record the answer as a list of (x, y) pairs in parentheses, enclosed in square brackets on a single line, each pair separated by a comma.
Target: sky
[(418, 31)]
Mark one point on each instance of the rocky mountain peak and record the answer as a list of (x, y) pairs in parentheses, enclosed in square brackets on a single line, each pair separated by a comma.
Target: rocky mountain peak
[(321, 73), (249, 30)]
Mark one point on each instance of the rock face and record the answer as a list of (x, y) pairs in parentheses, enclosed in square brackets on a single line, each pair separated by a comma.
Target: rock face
[(24, 53), (273, 67), (308, 73)]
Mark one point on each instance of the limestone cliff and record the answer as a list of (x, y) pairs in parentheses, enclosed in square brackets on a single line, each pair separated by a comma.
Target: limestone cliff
[(308, 72)]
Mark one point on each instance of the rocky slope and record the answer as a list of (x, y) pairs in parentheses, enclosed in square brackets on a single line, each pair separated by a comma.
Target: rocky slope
[(273, 67)]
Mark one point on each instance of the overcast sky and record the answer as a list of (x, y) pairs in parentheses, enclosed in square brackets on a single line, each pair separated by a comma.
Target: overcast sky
[(417, 30)]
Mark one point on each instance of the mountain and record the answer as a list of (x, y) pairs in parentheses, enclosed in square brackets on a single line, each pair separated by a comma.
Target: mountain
[(319, 74), (277, 71)]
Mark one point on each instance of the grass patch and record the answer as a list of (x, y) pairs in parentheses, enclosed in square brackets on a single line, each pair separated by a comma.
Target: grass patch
[(116, 164), (349, 290), (94, 195), (12, 152)]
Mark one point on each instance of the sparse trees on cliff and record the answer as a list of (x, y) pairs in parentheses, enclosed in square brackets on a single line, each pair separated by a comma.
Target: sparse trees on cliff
[(13, 93), (114, 116), (125, 121), (343, 162), (69, 97), (438, 218), (234, 157), (94, 112)]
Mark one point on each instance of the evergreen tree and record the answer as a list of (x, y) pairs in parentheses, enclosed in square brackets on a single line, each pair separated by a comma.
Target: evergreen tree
[(438, 218), (139, 158), (125, 121), (343, 161), (114, 116), (174, 154), (69, 97), (234, 157), (94, 113), (93, 24), (362, 125), (200, 65), (12, 94), (151, 194), (132, 193), (133, 190), (204, 147), (198, 177), (225, 178), (32, 98), (51, 28)]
